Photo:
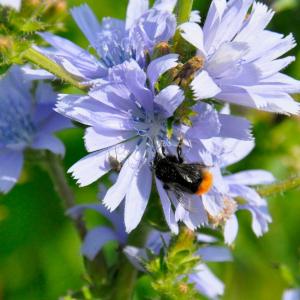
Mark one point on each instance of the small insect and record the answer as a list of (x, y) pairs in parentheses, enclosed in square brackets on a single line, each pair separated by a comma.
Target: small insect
[(115, 164), (182, 177)]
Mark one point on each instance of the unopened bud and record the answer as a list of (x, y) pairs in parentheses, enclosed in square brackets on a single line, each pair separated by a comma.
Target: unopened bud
[(187, 72), (189, 233), (60, 6), (32, 3), (161, 49), (6, 43), (55, 7), (185, 240), (183, 288)]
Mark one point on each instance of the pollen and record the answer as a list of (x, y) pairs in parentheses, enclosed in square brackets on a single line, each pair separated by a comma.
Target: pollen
[(230, 207), (206, 183)]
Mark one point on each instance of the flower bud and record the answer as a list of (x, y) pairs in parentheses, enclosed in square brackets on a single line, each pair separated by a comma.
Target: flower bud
[(6, 43), (32, 3), (161, 49), (54, 9), (186, 73), (183, 288), (59, 6)]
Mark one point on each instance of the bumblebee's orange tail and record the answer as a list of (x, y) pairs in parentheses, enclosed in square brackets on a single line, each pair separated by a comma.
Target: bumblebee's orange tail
[(206, 183)]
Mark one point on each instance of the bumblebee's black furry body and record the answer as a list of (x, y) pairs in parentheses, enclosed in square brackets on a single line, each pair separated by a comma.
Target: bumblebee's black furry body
[(176, 174)]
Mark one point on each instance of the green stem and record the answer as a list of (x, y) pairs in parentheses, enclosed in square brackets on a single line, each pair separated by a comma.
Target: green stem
[(125, 281), (47, 64), (96, 269), (127, 275), (183, 11), (62, 187), (279, 187)]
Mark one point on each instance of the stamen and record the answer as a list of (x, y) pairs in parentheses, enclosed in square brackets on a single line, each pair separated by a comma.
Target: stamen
[(230, 207)]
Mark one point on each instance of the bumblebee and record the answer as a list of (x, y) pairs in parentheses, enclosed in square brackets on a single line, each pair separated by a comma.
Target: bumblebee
[(182, 177)]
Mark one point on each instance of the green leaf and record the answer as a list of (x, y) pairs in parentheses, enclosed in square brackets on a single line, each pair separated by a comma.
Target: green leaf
[(170, 124), (31, 26), (144, 289)]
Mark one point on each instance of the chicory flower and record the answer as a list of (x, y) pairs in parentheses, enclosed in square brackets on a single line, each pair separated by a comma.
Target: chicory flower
[(242, 59), (240, 186), (114, 41), (16, 4), (27, 121), (98, 236), (127, 120)]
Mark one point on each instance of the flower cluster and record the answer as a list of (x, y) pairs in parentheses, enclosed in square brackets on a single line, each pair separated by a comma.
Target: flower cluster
[(16, 4), (134, 96)]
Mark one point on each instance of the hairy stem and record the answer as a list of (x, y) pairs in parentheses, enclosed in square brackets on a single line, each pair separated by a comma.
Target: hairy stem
[(96, 269), (125, 280), (62, 187), (47, 64), (279, 187), (183, 11), (127, 275)]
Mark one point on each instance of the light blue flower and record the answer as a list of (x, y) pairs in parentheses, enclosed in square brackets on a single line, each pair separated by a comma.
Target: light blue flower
[(218, 207), (16, 4), (204, 280), (127, 120), (240, 185), (114, 41), (206, 142), (98, 236), (292, 294), (242, 59), (26, 121)]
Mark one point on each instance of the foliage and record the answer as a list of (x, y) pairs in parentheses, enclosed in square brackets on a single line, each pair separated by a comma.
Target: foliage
[(169, 270), (18, 29)]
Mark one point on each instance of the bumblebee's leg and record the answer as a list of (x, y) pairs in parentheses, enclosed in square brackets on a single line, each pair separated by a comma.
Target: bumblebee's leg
[(163, 150), (166, 187), (179, 151), (152, 164)]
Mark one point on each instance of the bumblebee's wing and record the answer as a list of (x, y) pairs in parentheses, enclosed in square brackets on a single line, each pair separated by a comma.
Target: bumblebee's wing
[(190, 172), (179, 197)]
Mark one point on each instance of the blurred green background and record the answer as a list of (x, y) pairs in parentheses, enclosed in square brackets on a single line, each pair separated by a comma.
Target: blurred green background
[(39, 249)]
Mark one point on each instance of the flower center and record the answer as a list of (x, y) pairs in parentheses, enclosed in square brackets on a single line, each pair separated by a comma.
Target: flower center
[(114, 49), (16, 127)]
